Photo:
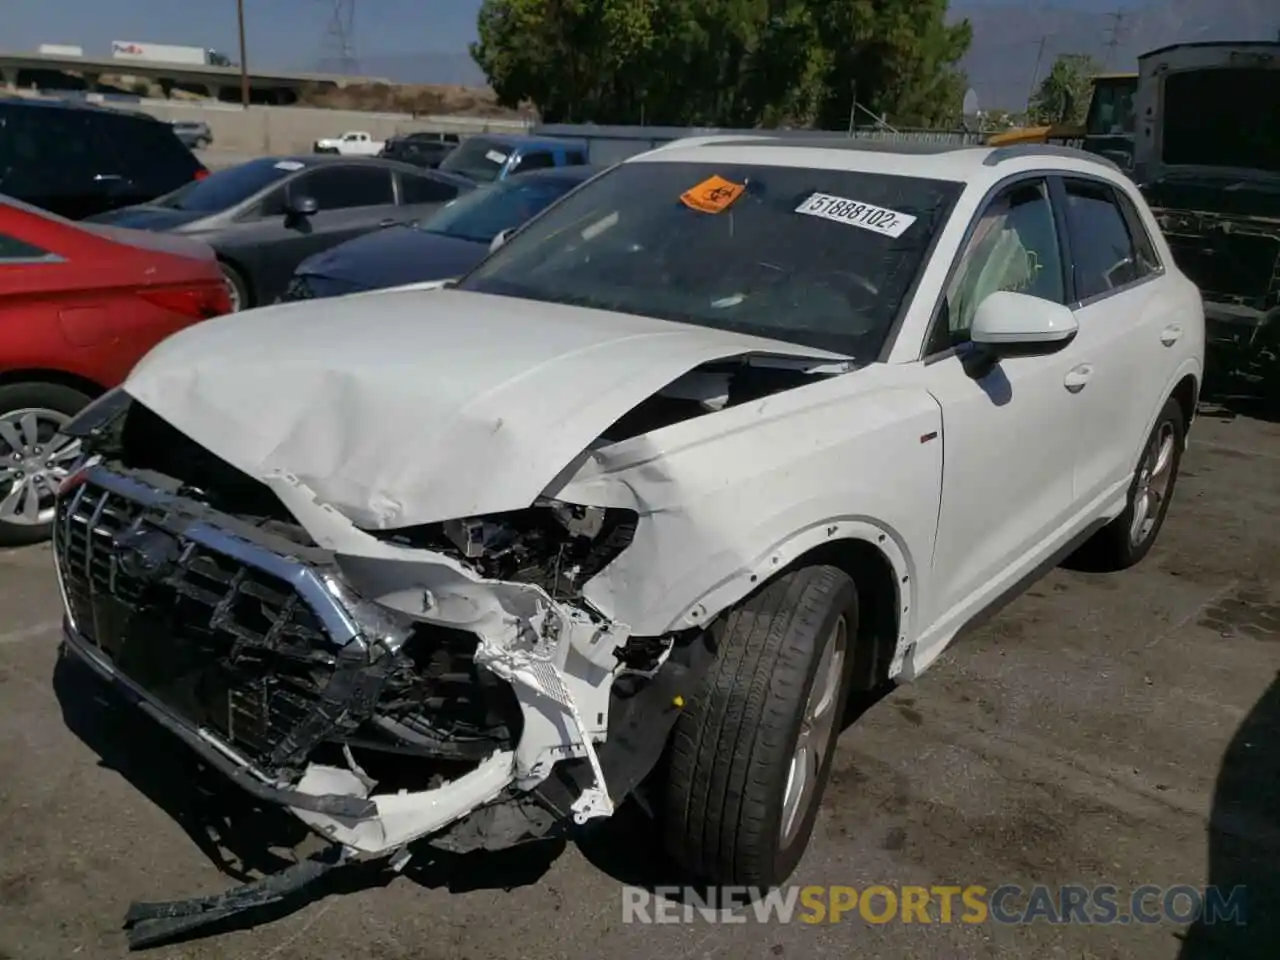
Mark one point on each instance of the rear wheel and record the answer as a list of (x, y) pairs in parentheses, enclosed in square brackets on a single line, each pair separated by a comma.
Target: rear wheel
[(751, 754), (237, 289), (1129, 537), (34, 456)]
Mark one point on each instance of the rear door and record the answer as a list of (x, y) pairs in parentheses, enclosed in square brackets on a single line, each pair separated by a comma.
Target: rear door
[(1126, 331)]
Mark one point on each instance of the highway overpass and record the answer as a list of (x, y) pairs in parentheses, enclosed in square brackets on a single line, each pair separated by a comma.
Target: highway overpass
[(21, 70)]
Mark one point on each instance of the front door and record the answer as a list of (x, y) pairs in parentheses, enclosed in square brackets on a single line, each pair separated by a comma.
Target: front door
[(1007, 433), (351, 201)]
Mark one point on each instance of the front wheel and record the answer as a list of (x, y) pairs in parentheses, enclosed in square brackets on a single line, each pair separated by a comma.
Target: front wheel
[(34, 456), (751, 754)]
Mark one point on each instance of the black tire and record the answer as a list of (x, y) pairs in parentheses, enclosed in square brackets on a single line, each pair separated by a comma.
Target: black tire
[(732, 748), (1114, 547), (33, 396), (236, 286)]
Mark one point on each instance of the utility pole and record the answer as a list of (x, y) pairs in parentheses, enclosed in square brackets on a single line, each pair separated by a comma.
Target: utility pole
[(1117, 18), (244, 59), (1035, 74)]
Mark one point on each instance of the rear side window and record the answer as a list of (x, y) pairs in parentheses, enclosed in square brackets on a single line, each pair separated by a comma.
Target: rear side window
[(425, 190), (11, 248), (1105, 257), (340, 188), (147, 152), (538, 160)]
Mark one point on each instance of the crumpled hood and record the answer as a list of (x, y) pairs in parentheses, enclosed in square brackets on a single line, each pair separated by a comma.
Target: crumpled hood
[(406, 407), (395, 256)]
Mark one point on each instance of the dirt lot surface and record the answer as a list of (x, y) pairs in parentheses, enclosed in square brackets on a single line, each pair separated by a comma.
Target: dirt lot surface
[(1116, 730)]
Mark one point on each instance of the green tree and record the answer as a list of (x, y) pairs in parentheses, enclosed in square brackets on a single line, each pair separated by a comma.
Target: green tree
[(1063, 95), (724, 62)]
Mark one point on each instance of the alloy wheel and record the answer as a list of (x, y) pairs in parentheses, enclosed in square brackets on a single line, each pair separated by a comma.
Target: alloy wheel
[(1154, 477), (35, 457), (816, 728)]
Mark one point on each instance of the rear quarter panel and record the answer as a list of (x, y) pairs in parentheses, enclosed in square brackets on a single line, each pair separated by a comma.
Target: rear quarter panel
[(83, 316)]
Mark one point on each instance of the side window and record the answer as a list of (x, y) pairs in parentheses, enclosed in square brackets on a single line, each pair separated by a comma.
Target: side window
[(425, 190), (273, 204), (1147, 258), (1014, 246), (11, 248), (148, 153), (537, 160), (340, 188), (1103, 251)]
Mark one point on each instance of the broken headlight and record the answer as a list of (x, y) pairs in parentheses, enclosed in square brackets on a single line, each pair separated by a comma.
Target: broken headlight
[(558, 546)]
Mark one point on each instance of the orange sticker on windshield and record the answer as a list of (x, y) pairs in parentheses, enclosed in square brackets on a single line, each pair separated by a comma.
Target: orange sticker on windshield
[(712, 195)]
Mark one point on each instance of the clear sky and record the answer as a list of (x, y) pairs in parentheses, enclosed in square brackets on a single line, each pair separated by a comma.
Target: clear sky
[(281, 34)]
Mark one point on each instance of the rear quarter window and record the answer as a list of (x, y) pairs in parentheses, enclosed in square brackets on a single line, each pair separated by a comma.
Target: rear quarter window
[(149, 153)]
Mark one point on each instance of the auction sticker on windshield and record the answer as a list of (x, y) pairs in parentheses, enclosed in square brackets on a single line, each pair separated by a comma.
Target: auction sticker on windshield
[(712, 195), (868, 216)]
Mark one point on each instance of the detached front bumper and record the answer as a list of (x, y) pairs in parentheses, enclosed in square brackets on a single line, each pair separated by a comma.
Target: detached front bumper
[(348, 816), (255, 659)]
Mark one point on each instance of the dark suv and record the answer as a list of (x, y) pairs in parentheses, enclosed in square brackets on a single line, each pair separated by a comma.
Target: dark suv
[(422, 149), (77, 160)]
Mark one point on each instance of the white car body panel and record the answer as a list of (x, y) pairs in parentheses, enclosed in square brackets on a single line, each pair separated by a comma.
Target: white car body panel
[(811, 481), (375, 403), (396, 408)]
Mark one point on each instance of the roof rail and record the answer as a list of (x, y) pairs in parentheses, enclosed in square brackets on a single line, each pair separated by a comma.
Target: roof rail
[(1015, 151)]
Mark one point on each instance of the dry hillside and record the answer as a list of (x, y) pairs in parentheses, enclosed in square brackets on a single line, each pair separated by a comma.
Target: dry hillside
[(414, 98)]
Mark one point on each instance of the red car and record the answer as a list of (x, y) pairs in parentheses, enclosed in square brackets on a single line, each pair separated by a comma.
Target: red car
[(79, 306)]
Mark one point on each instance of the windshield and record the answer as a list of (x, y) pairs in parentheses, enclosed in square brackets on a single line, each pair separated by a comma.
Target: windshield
[(1111, 109), (226, 188), (479, 159), (1222, 118), (484, 213), (822, 258)]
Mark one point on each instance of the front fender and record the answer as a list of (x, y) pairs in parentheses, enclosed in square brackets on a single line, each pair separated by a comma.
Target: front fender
[(727, 499)]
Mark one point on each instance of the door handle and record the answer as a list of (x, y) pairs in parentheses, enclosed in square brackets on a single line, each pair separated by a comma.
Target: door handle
[(388, 222), (1077, 377), (1170, 334)]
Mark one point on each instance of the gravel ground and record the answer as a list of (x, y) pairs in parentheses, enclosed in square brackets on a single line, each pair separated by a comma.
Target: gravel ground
[(1102, 729)]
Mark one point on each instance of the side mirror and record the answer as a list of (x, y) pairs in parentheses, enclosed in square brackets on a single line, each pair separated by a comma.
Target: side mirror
[(500, 239), (303, 206), (1008, 324)]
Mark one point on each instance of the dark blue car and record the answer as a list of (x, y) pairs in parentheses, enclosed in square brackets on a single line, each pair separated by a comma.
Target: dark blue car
[(487, 157), (443, 247)]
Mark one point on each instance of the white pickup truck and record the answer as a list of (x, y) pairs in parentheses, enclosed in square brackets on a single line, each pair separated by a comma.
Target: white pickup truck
[(355, 143)]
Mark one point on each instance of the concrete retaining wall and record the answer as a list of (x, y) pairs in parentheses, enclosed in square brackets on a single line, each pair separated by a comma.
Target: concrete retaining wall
[(280, 130)]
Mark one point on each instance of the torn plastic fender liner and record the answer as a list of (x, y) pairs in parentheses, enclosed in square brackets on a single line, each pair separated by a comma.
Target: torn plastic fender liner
[(558, 658)]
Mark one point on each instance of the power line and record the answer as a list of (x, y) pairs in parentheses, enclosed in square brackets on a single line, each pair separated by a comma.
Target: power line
[(338, 50), (1117, 19), (1035, 74)]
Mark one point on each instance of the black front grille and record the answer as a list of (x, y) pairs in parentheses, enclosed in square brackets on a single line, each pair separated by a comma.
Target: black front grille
[(224, 644)]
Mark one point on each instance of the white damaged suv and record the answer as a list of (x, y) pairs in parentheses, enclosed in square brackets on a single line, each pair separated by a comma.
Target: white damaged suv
[(741, 425)]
